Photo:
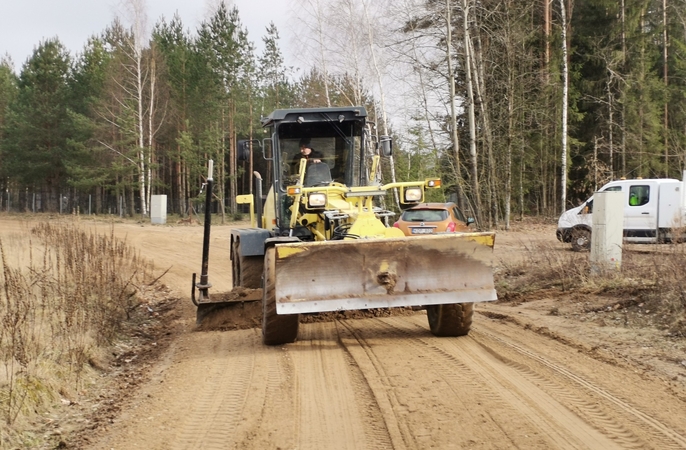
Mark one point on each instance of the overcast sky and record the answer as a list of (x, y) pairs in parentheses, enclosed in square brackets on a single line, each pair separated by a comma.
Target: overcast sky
[(25, 23)]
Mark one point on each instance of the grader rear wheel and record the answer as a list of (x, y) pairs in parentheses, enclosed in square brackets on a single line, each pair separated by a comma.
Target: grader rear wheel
[(276, 329), (246, 270), (450, 320)]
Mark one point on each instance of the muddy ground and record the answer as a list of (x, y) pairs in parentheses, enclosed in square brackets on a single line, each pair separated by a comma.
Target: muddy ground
[(541, 369)]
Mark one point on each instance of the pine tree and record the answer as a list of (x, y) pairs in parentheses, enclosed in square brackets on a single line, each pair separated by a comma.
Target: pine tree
[(39, 125)]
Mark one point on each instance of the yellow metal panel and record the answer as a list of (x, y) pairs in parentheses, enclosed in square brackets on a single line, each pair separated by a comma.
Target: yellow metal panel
[(244, 199)]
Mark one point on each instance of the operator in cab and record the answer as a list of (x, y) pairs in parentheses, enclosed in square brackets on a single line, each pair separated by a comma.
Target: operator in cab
[(306, 152)]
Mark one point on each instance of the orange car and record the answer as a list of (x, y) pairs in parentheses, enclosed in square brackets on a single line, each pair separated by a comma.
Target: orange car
[(428, 218)]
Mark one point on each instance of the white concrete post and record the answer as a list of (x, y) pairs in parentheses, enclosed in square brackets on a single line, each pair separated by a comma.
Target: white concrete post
[(608, 231), (158, 209)]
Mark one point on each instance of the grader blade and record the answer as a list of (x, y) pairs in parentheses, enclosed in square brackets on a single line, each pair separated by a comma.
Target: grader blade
[(384, 273), (237, 309)]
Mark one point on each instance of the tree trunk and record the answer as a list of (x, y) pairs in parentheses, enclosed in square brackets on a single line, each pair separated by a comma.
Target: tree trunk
[(665, 55), (382, 95), (470, 114), (453, 114), (565, 87), (477, 63)]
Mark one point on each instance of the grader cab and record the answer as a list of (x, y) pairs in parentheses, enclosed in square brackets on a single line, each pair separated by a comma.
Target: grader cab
[(321, 242)]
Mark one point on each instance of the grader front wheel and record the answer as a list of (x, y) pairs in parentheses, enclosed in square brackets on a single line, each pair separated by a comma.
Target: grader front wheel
[(450, 320), (276, 329)]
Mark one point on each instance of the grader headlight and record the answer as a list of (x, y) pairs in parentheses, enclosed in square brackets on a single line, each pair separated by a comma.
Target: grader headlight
[(316, 200), (413, 194)]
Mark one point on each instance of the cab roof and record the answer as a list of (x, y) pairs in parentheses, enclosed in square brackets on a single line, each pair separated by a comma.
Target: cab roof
[(314, 114)]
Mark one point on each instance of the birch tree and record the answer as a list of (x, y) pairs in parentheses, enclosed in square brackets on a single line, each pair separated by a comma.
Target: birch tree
[(133, 85), (451, 83), (565, 100), (471, 119), (315, 39)]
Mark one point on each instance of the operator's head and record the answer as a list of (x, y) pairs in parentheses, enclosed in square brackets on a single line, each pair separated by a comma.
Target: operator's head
[(305, 148)]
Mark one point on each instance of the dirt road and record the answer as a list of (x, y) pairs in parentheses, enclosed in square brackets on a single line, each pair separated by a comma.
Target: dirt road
[(522, 378)]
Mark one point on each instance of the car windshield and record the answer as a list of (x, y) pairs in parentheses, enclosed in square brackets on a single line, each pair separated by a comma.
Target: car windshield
[(425, 215)]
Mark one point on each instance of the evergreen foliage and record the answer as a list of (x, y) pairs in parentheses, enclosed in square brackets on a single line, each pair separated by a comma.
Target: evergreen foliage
[(75, 126)]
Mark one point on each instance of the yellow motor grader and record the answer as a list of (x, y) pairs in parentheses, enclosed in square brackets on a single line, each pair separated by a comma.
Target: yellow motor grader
[(321, 241)]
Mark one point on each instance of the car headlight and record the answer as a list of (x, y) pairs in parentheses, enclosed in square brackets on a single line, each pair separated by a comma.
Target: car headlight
[(316, 200), (413, 194)]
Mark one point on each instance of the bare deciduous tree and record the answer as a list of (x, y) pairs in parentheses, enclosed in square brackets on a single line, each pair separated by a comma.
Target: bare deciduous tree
[(565, 100), (135, 13)]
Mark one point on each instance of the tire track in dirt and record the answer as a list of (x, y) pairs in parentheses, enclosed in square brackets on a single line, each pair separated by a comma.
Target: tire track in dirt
[(212, 417), (615, 418), (268, 417), (560, 425), (361, 352), (474, 414), (376, 429), (564, 426), (660, 435), (331, 406), (600, 417)]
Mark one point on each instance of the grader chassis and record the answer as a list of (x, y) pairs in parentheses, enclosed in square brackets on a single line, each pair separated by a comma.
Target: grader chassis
[(321, 241)]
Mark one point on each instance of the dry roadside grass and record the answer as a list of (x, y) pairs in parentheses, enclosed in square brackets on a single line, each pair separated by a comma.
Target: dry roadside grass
[(74, 305), (649, 290)]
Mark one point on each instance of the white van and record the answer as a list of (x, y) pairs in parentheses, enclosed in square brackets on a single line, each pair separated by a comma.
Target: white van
[(653, 209)]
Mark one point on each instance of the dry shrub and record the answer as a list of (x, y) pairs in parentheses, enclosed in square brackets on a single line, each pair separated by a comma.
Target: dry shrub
[(651, 284), (62, 299), (542, 266), (661, 273)]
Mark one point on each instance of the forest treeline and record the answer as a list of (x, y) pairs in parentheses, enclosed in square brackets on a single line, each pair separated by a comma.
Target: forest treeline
[(470, 90)]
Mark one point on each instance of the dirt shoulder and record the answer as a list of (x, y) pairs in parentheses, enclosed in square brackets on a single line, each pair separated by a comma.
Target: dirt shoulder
[(622, 319)]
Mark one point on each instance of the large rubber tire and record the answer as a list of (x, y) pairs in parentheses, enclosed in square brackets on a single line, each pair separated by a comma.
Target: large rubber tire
[(276, 329), (246, 271), (450, 320), (581, 239)]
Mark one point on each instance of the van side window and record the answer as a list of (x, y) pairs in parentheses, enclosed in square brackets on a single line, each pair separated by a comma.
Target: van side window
[(588, 207), (639, 195)]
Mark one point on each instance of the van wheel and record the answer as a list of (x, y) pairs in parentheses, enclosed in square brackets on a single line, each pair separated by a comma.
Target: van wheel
[(581, 239)]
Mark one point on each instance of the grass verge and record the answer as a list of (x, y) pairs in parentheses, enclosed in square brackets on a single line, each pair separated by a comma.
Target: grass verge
[(648, 289), (67, 299)]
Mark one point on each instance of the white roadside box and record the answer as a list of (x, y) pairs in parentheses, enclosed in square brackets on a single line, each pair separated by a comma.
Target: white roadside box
[(158, 209), (608, 228)]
